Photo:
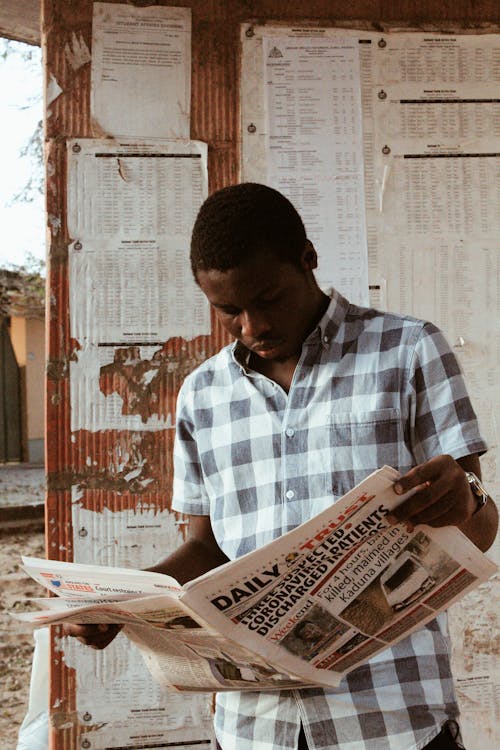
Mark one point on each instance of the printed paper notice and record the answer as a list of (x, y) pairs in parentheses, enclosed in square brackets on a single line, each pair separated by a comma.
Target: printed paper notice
[(131, 208), (315, 150), (141, 70), (136, 291)]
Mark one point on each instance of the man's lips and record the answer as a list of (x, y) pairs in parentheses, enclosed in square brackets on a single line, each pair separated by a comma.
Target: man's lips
[(266, 346)]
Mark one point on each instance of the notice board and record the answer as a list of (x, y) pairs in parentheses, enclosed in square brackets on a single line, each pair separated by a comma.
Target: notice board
[(397, 133)]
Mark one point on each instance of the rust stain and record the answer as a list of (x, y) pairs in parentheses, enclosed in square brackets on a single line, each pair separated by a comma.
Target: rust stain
[(144, 384), (57, 369), (116, 463), (74, 347), (98, 131)]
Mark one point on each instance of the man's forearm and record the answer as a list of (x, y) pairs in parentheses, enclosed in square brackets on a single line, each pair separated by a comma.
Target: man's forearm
[(191, 560), (482, 527)]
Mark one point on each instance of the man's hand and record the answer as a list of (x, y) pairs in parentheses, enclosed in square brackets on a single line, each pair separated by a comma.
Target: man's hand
[(95, 636), (199, 553), (443, 497)]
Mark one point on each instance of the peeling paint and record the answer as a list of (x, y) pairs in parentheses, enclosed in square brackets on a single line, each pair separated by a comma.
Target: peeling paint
[(57, 369), (74, 347), (134, 474), (143, 383), (76, 52), (54, 223), (62, 720), (53, 90), (128, 464)]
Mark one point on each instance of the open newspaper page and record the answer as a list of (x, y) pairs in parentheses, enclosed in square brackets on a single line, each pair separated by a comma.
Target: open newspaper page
[(194, 659), (179, 648), (336, 590), (302, 610)]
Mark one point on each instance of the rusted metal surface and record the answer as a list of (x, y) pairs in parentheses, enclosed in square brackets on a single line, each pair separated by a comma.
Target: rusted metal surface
[(20, 20), (106, 460)]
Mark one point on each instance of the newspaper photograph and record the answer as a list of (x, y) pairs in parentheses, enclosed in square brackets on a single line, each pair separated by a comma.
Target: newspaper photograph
[(309, 606)]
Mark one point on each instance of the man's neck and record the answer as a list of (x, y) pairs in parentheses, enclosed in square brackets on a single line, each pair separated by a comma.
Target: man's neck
[(281, 371)]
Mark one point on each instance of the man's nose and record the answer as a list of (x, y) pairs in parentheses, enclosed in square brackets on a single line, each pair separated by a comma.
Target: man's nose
[(253, 324)]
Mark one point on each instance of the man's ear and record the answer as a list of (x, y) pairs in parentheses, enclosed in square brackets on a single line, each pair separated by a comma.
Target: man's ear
[(309, 257)]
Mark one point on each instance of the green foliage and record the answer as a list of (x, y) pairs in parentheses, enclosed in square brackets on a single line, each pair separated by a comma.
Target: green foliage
[(22, 289)]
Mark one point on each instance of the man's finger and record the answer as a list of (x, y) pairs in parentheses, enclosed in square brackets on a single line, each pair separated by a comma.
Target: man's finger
[(94, 635), (436, 511), (76, 630), (439, 466), (423, 497)]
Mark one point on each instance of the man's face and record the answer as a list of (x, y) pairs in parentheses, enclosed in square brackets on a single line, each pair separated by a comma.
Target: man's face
[(267, 304)]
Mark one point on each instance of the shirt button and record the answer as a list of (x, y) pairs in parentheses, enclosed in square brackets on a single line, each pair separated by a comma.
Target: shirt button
[(289, 494), (289, 432)]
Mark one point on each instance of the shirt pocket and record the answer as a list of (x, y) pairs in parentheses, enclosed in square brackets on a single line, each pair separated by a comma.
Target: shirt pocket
[(361, 442)]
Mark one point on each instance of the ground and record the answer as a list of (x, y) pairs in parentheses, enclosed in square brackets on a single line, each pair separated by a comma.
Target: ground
[(16, 639), (19, 486)]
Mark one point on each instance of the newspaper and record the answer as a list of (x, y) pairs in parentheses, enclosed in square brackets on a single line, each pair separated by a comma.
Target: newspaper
[(308, 607)]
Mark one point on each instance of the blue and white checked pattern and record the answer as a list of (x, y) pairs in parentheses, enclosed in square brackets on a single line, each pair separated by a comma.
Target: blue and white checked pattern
[(370, 388)]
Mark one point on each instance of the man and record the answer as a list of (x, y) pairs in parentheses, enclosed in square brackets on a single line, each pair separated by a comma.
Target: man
[(314, 395)]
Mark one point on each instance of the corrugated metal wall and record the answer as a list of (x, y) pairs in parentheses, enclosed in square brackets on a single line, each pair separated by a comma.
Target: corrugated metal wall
[(85, 459)]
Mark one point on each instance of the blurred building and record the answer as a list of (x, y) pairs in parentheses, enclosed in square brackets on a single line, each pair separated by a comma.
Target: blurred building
[(22, 370)]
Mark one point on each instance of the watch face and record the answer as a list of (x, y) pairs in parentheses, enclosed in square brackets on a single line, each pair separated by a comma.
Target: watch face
[(478, 490), (475, 484)]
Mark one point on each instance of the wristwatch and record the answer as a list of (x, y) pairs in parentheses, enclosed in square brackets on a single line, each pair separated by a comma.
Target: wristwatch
[(478, 490)]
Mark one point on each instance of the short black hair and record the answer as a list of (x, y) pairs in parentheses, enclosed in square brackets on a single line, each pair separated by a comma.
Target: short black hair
[(237, 222)]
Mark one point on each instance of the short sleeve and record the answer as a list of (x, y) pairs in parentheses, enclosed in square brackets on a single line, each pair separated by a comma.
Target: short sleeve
[(189, 495), (442, 416)]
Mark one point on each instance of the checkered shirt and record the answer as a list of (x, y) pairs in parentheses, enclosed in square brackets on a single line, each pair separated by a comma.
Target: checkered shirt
[(370, 389)]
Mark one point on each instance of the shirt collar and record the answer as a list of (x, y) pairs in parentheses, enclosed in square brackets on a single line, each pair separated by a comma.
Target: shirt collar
[(324, 332), (328, 326)]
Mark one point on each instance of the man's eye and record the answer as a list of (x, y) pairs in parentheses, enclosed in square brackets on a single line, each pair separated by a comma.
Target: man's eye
[(230, 311)]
